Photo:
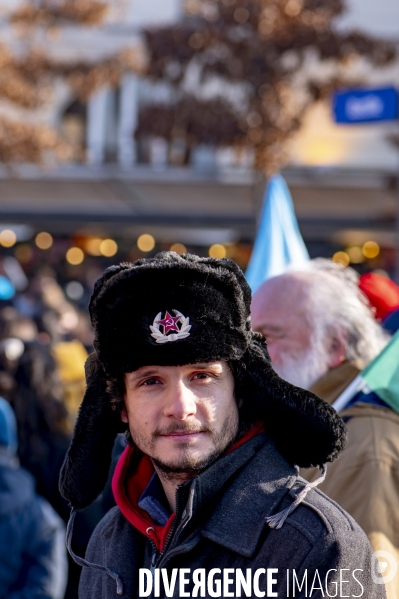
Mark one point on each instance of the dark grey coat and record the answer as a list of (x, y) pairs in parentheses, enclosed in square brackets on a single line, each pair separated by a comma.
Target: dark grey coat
[(221, 523)]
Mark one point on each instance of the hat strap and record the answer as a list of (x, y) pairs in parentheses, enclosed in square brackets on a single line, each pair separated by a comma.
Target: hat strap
[(82, 562), (278, 519)]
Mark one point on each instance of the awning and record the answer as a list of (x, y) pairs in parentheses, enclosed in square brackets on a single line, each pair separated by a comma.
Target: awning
[(126, 203)]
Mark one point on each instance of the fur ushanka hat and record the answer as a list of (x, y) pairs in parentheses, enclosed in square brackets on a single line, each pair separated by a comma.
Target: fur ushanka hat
[(173, 310)]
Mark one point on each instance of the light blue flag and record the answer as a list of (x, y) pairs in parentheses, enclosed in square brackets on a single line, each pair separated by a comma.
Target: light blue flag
[(279, 243)]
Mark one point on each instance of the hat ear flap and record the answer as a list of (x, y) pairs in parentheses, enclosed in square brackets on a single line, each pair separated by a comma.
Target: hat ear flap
[(85, 470), (306, 429)]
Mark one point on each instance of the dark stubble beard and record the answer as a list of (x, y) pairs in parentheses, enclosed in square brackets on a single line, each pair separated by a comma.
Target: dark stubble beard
[(189, 465)]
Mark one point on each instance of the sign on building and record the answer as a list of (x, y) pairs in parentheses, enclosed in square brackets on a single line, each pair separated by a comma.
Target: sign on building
[(366, 105)]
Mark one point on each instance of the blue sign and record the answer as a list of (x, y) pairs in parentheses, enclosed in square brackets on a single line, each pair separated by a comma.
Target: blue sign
[(366, 105)]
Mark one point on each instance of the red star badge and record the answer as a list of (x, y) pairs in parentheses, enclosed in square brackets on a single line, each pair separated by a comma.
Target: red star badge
[(169, 323)]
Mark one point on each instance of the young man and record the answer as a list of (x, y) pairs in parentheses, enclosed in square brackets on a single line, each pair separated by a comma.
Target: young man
[(209, 501)]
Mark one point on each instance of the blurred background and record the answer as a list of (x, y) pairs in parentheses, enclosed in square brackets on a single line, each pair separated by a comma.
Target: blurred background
[(130, 127), (133, 126)]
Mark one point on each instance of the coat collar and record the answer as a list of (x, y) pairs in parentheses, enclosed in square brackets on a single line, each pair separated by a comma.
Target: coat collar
[(330, 386), (252, 482)]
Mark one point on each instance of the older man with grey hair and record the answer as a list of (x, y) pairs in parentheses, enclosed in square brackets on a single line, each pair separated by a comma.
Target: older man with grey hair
[(320, 333)]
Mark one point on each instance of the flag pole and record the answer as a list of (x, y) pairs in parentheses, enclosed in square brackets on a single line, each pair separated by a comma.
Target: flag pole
[(355, 386)]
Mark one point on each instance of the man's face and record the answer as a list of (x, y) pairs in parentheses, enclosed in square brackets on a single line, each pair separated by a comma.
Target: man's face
[(278, 311), (183, 417)]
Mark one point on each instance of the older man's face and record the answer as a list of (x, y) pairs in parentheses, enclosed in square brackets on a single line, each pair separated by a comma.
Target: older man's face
[(279, 312), (183, 417)]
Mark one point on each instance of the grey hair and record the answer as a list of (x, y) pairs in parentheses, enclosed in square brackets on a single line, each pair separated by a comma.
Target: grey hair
[(337, 307)]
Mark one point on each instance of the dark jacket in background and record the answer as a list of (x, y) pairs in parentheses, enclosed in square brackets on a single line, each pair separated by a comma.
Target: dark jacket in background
[(221, 523), (33, 562)]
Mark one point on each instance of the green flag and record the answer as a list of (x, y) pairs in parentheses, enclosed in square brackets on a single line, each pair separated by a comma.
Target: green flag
[(382, 374)]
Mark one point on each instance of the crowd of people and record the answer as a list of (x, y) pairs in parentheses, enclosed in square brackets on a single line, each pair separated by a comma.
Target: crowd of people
[(323, 325), (44, 342)]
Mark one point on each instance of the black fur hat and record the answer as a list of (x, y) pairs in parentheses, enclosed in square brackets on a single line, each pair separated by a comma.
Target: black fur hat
[(173, 310)]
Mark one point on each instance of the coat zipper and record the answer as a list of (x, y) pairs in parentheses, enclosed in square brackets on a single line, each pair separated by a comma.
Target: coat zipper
[(174, 525), (157, 556)]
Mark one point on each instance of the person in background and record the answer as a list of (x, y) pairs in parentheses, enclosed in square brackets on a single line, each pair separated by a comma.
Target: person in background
[(65, 327), (38, 379), (321, 332), (381, 292), (383, 295), (391, 322), (37, 400), (33, 563), (70, 357)]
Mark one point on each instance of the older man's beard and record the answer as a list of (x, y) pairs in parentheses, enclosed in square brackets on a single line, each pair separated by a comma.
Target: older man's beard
[(304, 368)]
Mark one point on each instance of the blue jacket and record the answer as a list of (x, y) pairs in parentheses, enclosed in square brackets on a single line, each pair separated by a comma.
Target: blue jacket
[(33, 563)]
